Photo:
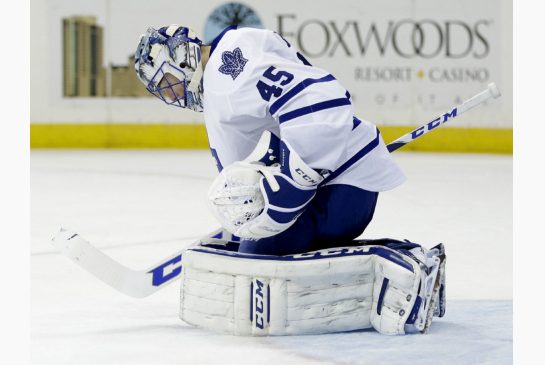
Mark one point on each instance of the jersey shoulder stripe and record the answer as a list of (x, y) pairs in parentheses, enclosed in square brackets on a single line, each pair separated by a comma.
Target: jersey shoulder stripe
[(296, 90), (352, 160), (334, 103)]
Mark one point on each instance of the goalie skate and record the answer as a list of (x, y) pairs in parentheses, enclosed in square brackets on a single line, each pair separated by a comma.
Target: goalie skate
[(435, 295), (441, 300), (431, 293)]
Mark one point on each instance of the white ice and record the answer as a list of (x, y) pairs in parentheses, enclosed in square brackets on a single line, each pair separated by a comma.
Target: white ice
[(140, 206)]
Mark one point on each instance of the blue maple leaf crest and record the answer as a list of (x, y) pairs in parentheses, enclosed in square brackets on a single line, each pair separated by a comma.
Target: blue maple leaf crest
[(233, 63)]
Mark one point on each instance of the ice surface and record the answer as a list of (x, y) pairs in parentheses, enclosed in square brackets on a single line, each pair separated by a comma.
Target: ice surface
[(140, 206)]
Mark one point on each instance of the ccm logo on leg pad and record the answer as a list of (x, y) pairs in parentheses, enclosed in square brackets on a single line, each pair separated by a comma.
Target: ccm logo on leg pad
[(260, 303)]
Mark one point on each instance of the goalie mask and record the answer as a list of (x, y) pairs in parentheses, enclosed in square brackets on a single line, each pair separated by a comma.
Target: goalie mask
[(168, 62)]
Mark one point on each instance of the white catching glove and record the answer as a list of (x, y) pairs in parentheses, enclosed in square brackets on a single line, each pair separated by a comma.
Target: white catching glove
[(255, 201)]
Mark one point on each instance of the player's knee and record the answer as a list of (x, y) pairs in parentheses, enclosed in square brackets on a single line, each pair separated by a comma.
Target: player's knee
[(346, 213)]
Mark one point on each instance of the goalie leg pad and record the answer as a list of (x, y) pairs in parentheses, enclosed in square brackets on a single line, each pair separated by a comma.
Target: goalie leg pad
[(324, 291)]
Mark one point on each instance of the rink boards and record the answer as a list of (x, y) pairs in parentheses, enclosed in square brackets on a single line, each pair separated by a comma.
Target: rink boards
[(193, 136)]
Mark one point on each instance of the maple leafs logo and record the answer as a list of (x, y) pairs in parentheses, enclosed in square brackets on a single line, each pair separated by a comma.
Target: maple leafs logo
[(233, 63)]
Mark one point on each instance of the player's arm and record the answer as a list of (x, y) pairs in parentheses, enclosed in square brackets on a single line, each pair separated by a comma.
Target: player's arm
[(314, 116), (313, 110), (263, 195)]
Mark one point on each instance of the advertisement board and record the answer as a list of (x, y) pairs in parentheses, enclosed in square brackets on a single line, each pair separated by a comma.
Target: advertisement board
[(402, 61)]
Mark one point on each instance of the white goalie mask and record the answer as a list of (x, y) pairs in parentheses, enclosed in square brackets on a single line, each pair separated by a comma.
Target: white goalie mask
[(168, 62)]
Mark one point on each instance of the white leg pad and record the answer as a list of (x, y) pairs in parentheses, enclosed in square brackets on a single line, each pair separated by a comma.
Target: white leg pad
[(318, 292)]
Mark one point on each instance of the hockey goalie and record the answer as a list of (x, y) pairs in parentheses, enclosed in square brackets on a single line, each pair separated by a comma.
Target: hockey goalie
[(299, 177)]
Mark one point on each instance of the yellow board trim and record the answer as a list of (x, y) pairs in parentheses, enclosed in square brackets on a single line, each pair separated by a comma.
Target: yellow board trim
[(193, 136), (471, 140)]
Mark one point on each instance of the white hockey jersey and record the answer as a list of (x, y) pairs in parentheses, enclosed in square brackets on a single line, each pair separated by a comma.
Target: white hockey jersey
[(255, 81)]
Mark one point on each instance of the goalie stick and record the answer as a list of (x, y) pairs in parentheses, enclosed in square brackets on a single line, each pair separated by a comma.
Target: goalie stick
[(141, 283), (134, 283), (491, 92)]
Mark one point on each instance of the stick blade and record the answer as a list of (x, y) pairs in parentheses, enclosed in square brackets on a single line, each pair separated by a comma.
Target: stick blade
[(134, 283), (69, 243)]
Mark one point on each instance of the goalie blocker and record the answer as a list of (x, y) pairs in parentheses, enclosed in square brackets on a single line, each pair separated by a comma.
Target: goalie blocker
[(395, 287)]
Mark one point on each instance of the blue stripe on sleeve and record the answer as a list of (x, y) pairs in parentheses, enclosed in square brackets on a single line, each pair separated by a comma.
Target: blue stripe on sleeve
[(364, 151), (313, 108), (296, 90), (355, 122), (303, 59)]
